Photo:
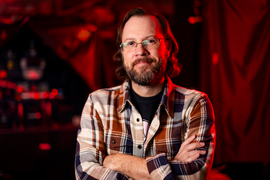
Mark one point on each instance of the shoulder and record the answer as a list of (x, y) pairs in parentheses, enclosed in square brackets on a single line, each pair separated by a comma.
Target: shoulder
[(182, 91), (188, 92), (104, 94), (190, 95)]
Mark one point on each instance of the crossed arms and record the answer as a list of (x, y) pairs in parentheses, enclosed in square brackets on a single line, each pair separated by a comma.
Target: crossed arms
[(192, 161), (136, 168)]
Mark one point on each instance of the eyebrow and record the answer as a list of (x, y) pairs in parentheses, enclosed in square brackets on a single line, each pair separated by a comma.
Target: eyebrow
[(133, 39)]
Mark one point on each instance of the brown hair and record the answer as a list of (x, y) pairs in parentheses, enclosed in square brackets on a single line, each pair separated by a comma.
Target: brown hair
[(173, 67)]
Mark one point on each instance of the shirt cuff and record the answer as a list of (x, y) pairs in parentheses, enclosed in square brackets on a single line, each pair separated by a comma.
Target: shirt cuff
[(159, 167)]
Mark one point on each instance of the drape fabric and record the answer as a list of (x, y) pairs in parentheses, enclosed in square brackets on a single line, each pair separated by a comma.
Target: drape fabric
[(235, 73)]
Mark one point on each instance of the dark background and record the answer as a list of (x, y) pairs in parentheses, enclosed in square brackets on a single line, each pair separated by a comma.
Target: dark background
[(224, 52)]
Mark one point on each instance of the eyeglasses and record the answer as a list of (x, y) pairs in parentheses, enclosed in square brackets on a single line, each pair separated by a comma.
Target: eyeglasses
[(131, 45)]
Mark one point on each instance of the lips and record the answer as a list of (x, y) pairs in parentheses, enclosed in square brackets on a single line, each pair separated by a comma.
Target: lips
[(142, 60)]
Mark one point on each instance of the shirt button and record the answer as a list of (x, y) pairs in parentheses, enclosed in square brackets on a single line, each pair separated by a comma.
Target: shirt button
[(138, 120), (139, 146), (113, 141)]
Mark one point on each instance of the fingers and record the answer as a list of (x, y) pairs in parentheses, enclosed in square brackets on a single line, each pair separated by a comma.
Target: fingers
[(190, 144), (188, 151), (189, 155), (197, 153), (189, 140), (194, 145), (193, 155)]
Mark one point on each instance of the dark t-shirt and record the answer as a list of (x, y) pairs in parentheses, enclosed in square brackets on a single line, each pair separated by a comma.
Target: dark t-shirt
[(147, 107)]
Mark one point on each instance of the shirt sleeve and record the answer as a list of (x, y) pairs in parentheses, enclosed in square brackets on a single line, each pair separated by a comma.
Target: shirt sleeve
[(90, 149), (199, 122)]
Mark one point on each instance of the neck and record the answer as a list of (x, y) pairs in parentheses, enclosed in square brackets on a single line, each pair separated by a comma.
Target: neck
[(148, 91)]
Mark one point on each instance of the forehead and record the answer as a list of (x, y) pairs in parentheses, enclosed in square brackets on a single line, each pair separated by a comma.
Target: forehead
[(139, 27)]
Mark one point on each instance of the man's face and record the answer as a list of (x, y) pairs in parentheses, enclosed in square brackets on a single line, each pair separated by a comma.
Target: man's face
[(144, 65)]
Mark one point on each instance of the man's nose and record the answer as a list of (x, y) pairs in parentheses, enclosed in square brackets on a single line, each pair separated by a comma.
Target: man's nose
[(141, 50)]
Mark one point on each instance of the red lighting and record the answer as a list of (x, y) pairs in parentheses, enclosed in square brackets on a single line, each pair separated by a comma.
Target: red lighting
[(54, 92), (20, 109), (10, 85), (215, 58), (45, 146), (83, 34), (3, 35), (45, 95), (19, 89), (3, 74), (37, 115), (194, 19), (32, 74), (49, 108), (36, 96)]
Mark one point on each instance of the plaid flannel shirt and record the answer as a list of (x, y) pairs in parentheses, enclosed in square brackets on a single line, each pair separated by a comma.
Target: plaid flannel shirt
[(110, 124)]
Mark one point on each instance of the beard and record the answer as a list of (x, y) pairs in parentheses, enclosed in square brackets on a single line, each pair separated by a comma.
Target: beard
[(146, 77)]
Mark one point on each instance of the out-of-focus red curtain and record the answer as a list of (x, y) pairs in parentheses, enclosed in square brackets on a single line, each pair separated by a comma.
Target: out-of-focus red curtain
[(91, 59), (95, 64), (235, 73)]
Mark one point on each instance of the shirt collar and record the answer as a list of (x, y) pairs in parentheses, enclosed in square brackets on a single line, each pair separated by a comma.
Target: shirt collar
[(124, 96), (167, 99)]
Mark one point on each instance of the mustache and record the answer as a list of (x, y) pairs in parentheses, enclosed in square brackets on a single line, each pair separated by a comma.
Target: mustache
[(147, 60)]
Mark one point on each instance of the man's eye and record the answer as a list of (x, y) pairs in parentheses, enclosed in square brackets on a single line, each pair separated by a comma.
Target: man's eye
[(149, 42), (130, 43)]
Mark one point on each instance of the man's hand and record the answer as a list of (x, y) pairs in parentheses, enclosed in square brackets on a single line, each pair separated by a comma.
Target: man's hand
[(187, 152), (136, 168), (132, 166)]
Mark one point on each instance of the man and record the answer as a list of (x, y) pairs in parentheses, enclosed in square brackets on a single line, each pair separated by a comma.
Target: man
[(147, 128)]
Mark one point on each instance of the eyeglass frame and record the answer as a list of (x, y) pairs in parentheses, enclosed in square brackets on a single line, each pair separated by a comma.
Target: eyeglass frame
[(136, 44)]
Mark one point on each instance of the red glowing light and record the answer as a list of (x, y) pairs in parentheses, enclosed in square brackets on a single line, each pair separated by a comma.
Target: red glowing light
[(20, 109), (54, 92), (3, 35), (37, 115), (194, 19), (45, 95), (45, 146), (9, 85), (83, 34), (19, 89), (36, 96), (3, 74), (49, 108), (215, 58), (33, 74)]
